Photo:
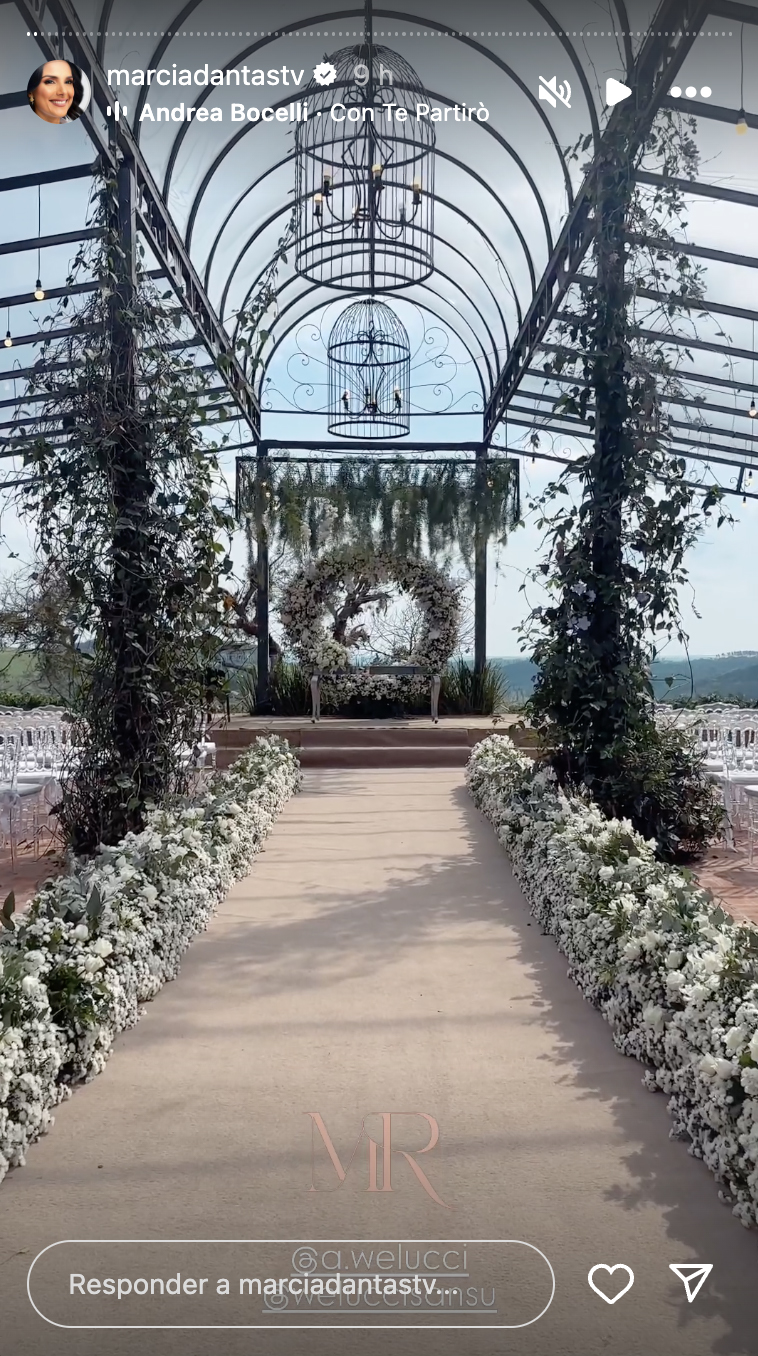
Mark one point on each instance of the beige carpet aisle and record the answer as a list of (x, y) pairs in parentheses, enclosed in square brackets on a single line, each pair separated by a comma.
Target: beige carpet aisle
[(380, 958)]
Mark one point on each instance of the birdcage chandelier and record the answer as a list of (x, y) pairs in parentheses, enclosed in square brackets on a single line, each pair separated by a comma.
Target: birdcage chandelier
[(365, 174), (369, 366)]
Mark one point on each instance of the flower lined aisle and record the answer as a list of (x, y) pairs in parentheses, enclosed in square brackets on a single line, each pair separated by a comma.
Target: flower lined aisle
[(675, 978), (100, 941)]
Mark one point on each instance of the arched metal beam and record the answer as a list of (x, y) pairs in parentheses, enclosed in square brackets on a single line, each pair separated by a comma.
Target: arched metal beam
[(105, 18), (264, 225), (271, 169), (283, 103), (445, 243), (487, 54), (423, 306), (361, 291), (157, 57), (623, 17)]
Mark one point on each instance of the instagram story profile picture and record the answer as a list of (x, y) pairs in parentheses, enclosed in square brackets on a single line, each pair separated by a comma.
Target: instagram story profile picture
[(58, 91)]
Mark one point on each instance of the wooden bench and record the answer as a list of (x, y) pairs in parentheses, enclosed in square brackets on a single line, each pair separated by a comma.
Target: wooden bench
[(390, 670)]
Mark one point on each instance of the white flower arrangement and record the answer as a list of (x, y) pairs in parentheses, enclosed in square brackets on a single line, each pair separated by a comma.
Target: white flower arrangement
[(303, 608), (675, 978), (98, 942)]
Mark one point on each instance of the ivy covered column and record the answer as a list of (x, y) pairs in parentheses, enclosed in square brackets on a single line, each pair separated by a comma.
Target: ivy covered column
[(612, 695), (262, 495), (481, 537), (129, 613), (591, 690)]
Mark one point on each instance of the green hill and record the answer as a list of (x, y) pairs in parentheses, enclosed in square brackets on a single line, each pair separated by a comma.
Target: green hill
[(730, 675)]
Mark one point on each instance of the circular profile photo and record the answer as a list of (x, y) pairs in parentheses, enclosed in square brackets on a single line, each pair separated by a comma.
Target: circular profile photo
[(58, 91)]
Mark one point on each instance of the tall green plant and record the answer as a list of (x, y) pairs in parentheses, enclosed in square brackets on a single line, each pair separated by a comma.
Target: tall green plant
[(122, 496), (620, 520)]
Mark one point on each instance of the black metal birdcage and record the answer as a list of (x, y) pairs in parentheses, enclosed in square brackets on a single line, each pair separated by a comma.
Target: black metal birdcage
[(369, 361), (365, 174)]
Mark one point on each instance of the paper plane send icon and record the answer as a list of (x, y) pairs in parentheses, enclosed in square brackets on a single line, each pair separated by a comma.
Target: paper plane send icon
[(615, 92), (692, 1275)]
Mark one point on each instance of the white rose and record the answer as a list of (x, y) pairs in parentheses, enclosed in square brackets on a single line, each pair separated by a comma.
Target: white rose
[(653, 1016), (674, 960), (753, 1047), (606, 873), (33, 961), (81, 932), (676, 980), (734, 1039), (102, 947)]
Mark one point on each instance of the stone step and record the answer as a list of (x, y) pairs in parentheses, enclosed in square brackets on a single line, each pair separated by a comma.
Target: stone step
[(383, 737), (376, 756)]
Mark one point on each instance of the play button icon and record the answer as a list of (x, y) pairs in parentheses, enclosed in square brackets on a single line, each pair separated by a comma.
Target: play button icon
[(615, 92)]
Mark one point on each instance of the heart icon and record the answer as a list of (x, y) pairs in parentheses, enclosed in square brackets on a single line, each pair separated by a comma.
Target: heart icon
[(603, 1266)]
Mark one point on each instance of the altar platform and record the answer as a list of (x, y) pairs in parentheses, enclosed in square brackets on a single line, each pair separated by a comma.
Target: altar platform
[(335, 742)]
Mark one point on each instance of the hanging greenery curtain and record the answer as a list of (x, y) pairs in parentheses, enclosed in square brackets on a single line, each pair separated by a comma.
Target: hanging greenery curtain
[(408, 508)]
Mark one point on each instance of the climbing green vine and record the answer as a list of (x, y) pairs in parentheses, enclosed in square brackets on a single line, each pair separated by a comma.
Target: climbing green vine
[(620, 520), (407, 508), (121, 495)]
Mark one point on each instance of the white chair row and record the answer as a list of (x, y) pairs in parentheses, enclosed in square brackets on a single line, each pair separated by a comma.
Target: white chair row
[(27, 793)]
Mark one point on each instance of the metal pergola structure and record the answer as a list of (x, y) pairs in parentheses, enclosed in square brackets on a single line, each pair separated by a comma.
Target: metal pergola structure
[(510, 249)]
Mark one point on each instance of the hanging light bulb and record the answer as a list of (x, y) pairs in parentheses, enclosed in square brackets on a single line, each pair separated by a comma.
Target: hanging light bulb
[(39, 291), (741, 123), (752, 411), (346, 400), (398, 398), (318, 198), (416, 190), (8, 341), (749, 477), (744, 498)]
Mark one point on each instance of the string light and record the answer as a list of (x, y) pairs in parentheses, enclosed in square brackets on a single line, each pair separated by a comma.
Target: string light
[(8, 340), (39, 291), (741, 119)]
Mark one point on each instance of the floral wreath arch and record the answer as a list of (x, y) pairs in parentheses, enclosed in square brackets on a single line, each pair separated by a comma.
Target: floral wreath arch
[(304, 606)]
